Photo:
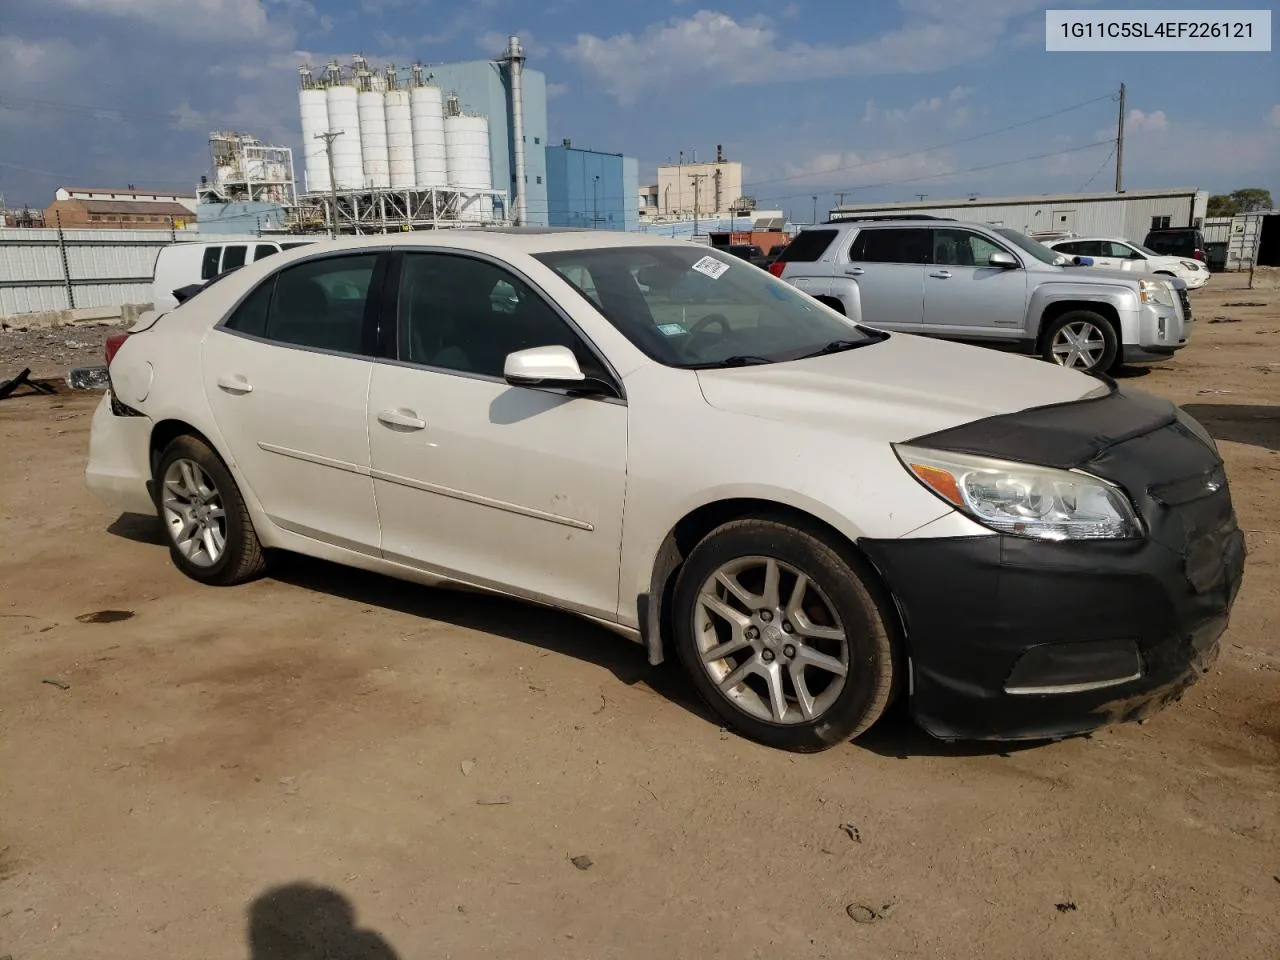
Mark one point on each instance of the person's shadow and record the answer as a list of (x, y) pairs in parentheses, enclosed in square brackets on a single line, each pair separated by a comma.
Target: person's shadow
[(302, 921)]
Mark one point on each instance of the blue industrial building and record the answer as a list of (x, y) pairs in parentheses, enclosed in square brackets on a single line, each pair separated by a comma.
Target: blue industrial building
[(483, 88), (587, 188)]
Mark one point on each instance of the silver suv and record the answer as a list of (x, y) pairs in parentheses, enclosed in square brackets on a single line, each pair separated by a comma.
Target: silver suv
[(973, 282)]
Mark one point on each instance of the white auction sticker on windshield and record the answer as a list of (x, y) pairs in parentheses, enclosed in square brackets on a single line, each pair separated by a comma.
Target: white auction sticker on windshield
[(711, 267)]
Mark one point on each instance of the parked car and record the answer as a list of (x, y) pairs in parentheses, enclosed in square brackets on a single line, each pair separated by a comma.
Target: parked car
[(182, 264), (991, 285), (1113, 254), (813, 515), (1185, 242)]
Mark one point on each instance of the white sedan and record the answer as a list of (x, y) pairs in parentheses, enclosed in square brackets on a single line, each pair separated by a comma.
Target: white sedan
[(1123, 255), (815, 516)]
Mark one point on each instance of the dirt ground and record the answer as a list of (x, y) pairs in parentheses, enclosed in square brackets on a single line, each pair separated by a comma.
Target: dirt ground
[(407, 773)]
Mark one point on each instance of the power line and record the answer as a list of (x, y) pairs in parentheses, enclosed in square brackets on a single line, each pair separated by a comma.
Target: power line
[(940, 146), (1101, 167), (957, 173)]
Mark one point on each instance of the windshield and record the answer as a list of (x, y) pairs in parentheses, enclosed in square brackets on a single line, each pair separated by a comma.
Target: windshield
[(688, 308), (1027, 245)]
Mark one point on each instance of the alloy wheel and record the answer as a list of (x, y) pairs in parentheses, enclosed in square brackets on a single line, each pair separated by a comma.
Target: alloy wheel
[(770, 640), (194, 513), (1079, 345)]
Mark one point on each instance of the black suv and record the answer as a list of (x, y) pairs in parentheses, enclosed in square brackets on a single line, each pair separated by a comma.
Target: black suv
[(1177, 242)]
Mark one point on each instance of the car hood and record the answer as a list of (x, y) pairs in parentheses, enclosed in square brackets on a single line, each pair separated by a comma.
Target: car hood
[(892, 391)]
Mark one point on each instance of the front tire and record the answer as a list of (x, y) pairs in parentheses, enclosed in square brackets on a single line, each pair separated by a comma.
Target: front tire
[(782, 637), (211, 536), (1081, 340)]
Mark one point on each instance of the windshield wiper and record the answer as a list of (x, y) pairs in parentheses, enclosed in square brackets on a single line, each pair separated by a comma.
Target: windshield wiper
[(737, 360), (839, 346)]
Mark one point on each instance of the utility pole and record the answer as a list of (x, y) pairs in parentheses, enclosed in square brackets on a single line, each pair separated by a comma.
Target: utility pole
[(840, 198), (328, 139), (921, 196), (1120, 145), (697, 183), (815, 208)]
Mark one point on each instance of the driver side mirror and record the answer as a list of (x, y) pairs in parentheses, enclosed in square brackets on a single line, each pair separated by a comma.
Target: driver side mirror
[(1003, 260), (543, 367)]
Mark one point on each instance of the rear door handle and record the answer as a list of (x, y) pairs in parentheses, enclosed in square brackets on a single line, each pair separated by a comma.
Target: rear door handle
[(941, 274), (236, 384), (854, 271), (405, 420)]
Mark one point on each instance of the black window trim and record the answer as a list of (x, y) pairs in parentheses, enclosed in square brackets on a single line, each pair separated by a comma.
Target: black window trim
[(372, 307), (391, 312)]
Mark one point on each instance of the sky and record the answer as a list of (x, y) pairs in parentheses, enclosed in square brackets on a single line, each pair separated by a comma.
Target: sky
[(876, 100)]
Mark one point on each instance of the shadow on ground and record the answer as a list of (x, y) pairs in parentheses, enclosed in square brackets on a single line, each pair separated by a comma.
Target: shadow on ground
[(1258, 424), (302, 921), (895, 736)]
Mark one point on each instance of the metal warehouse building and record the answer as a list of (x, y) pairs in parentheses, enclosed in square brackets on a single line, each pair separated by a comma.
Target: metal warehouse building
[(1127, 215), (587, 188)]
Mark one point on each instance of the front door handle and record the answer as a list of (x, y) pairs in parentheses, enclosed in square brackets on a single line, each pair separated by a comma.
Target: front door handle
[(404, 419), (236, 384), (941, 274), (854, 271)]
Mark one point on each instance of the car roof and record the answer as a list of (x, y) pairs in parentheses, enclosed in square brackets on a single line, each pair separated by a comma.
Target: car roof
[(497, 240), (920, 223), (1093, 240)]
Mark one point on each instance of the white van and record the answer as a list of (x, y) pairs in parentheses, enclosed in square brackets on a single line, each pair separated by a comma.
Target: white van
[(184, 263)]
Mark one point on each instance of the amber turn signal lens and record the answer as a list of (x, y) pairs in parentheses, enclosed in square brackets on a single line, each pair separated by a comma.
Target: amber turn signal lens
[(940, 482)]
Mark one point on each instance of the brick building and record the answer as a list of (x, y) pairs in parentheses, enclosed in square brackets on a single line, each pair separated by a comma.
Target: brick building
[(119, 209)]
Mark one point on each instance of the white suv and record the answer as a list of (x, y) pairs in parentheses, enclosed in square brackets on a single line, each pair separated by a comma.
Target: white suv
[(1111, 254)]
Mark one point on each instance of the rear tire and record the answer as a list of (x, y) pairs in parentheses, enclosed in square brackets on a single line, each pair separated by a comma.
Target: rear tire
[(782, 637), (1081, 340), (210, 534)]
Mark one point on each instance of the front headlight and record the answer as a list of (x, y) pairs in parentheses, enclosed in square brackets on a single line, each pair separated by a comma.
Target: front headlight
[(1041, 503), (1193, 265), (1156, 291)]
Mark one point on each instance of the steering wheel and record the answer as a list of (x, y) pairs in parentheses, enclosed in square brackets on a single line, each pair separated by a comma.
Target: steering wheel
[(699, 328)]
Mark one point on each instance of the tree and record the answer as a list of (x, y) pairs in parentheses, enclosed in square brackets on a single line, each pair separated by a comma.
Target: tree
[(1244, 200)]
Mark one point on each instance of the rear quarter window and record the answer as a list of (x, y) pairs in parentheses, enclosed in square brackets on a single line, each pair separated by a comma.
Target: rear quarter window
[(808, 246), (209, 265)]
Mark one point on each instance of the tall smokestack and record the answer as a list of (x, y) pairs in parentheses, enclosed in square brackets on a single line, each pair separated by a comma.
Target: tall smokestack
[(515, 66)]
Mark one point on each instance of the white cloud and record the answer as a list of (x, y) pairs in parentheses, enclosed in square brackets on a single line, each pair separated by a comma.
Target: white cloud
[(1156, 121), (1274, 116), (556, 90), (211, 19), (714, 48), (952, 104)]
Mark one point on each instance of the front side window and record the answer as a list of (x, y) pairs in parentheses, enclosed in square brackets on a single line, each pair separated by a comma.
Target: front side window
[(962, 248), (467, 315), (321, 304), (1027, 245), (891, 245), (692, 308)]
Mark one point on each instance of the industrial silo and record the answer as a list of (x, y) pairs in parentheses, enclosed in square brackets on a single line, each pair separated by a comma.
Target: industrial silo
[(426, 106), (314, 109), (466, 139), (399, 135), (344, 115), (373, 139)]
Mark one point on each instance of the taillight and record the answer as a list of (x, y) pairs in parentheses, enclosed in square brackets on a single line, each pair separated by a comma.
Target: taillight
[(1198, 255), (113, 344), (776, 268)]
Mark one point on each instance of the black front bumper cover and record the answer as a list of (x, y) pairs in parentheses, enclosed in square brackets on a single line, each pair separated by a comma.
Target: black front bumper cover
[(986, 615)]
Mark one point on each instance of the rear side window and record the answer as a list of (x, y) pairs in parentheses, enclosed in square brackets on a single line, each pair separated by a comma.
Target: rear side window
[(263, 250), (234, 257), (808, 246), (209, 265), (321, 303), (251, 316), (891, 245)]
